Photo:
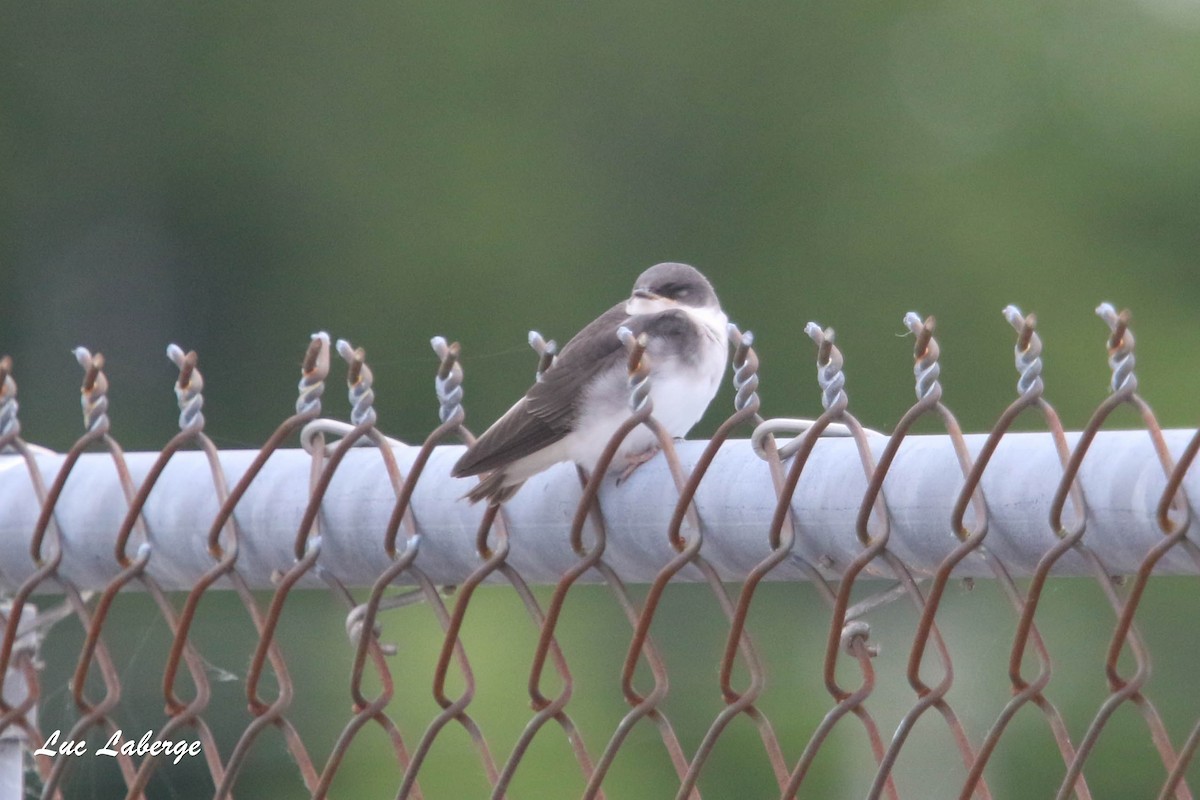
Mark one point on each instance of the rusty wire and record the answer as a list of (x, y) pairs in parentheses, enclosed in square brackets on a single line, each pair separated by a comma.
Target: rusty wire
[(930, 668)]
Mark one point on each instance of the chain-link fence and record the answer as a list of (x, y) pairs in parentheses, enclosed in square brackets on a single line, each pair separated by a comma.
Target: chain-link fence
[(859, 518)]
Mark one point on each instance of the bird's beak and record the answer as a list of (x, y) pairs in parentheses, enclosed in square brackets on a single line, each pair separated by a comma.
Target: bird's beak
[(645, 294)]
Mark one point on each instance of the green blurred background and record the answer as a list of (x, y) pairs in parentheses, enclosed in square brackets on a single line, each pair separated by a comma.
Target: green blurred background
[(232, 177)]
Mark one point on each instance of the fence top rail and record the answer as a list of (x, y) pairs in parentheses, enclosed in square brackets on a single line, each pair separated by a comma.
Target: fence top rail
[(1121, 479)]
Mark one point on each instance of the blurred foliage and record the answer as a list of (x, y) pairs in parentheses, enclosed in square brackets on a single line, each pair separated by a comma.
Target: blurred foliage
[(234, 176)]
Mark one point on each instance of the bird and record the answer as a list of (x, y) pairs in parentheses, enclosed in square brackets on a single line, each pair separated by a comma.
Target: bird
[(576, 406)]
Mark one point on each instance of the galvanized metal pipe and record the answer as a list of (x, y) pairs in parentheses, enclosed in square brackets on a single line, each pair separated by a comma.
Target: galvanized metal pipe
[(1121, 478)]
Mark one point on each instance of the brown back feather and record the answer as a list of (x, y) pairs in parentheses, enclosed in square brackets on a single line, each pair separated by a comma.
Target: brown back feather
[(547, 411)]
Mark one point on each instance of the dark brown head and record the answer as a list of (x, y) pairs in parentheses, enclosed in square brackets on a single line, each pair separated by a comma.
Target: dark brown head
[(664, 285)]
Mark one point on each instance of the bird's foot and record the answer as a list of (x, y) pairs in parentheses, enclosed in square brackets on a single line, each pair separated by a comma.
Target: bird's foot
[(635, 460)]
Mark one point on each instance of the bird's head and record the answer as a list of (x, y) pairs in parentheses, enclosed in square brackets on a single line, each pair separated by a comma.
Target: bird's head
[(670, 285)]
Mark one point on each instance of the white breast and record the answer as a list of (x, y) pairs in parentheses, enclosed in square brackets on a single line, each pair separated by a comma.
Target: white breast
[(680, 392)]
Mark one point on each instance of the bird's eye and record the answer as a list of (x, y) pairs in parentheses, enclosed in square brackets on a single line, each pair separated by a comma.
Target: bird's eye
[(681, 292)]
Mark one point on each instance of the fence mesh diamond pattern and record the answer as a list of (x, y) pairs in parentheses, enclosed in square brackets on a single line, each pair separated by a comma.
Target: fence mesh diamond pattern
[(780, 615)]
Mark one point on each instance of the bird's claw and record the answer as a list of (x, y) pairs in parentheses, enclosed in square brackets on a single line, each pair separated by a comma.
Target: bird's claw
[(635, 460)]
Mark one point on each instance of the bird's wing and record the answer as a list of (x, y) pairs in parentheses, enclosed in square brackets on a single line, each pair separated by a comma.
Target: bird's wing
[(547, 411)]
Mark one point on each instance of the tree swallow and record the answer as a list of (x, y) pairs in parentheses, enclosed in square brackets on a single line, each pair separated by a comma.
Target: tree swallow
[(577, 405)]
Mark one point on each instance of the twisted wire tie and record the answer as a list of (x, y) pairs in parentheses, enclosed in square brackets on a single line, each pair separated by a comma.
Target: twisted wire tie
[(359, 380), (94, 393), (448, 382), (1120, 348), (745, 368), (830, 374), (639, 367), (1027, 352), (832, 379), (926, 368), (857, 630), (189, 388), (10, 425), (546, 350), (314, 372)]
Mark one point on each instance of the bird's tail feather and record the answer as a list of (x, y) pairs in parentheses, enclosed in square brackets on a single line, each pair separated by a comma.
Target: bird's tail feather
[(493, 489)]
